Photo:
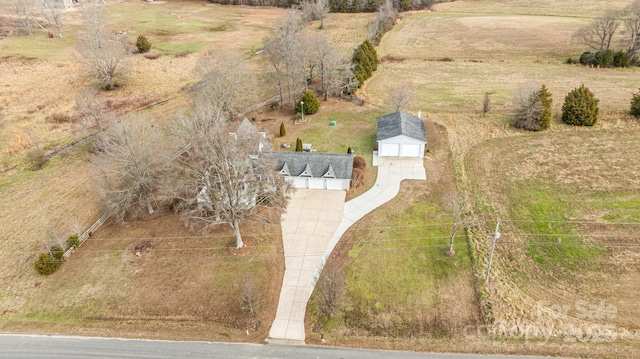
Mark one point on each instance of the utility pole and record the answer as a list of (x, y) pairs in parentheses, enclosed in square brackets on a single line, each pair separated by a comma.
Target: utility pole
[(496, 235)]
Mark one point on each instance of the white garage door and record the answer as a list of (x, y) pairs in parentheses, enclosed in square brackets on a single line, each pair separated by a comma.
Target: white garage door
[(390, 149), (411, 151), (334, 184), (299, 182), (316, 183)]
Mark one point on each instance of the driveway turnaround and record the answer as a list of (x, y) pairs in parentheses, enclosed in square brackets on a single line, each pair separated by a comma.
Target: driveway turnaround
[(314, 223)]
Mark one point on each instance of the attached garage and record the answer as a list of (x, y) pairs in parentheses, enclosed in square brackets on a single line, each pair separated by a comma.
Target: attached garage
[(316, 183), (315, 170), (401, 135)]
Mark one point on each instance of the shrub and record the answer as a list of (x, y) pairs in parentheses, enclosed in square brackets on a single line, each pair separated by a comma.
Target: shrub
[(357, 178), (283, 130), (311, 103), (359, 162), (143, 44), (580, 107), (365, 61), (349, 150), (152, 55), (635, 104), (48, 262), (587, 58), (603, 59), (532, 107), (299, 145), (620, 59), (274, 106), (37, 159), (73, 241)]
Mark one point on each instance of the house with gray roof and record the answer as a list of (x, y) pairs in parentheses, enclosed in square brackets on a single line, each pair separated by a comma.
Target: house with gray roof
[(401, 135), (315, 170)]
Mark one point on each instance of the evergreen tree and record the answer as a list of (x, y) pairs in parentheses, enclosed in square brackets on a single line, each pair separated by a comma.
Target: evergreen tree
[(580, 107), (635, 104), (283, 131), (545, 99), (298, 145), (142, 44)]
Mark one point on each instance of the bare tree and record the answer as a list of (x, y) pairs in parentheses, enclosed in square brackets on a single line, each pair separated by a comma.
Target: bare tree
[(631, 21), (330, 65), (226, 81), (226, 179), (322, 8), (106, 56), (25, 12), (288, 33), (92, 111), (53, 14), (131, 162), (458, 205), (598, 34), (400, 97), (274, 55), (383, 21), (250, 294)]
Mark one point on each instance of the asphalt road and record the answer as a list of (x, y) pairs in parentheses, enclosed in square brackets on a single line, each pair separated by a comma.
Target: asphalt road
[(58, 347)]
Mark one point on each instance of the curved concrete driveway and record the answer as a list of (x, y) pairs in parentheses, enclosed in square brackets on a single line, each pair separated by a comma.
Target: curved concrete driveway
[(314, 223)]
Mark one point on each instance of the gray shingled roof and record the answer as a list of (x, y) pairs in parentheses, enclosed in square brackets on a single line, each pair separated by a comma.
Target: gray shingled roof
[(317, 163), (400, 123)]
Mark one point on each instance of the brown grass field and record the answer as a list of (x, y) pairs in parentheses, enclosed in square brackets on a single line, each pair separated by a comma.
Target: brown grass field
[(568, 197), (40, 80)]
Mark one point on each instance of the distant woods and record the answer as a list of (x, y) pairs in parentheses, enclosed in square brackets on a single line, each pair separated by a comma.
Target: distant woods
[(338, 5)]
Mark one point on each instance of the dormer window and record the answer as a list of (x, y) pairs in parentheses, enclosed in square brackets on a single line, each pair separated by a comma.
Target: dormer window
[(330, 173), (285, 170), (306, 172)]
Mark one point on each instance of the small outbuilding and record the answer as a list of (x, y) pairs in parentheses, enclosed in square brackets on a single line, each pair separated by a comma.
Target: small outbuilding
[(401, 135), (315, 170)]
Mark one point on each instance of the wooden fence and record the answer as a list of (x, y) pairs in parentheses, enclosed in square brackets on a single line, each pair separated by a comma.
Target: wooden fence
[(88, 232)]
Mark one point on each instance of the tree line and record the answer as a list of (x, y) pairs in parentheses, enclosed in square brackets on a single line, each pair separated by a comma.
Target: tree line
[(344, 6), (615, 29)]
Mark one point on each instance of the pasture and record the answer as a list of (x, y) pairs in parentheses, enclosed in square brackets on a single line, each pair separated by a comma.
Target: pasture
[(566, 196)]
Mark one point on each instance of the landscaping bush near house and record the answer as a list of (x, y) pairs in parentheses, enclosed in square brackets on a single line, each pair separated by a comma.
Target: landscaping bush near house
[(357, 178), (359, 162), (283, 130), (143, 44), (580, 107), (311, 104), (49, 262), (635, 104)]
